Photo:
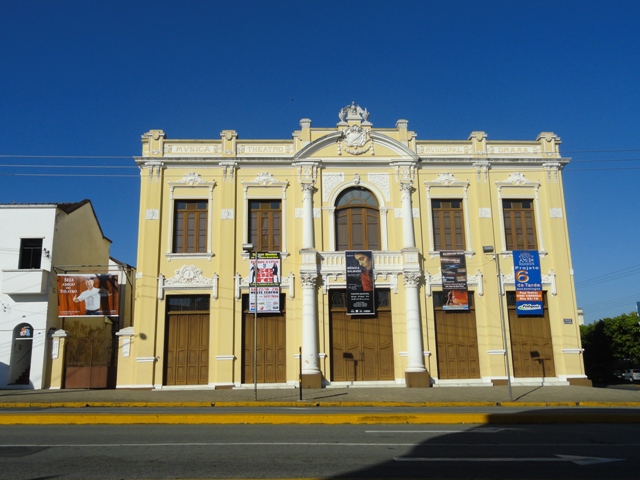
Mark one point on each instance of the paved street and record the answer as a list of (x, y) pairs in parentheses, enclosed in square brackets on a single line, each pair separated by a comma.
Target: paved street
[(109, 452)]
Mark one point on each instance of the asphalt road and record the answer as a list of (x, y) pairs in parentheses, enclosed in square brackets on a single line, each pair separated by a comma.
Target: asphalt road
[(109, 452)]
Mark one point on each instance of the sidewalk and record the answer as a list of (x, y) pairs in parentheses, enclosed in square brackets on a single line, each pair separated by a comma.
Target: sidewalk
[(623, 396)]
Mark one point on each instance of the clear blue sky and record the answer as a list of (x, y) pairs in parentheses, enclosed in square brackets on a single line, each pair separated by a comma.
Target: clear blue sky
[(80, 81)]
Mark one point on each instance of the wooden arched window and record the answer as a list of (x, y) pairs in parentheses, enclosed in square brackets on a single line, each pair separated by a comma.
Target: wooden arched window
[(357, 220)]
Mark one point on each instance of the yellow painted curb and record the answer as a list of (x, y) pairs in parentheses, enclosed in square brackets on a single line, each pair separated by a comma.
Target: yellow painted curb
[(38, 418)]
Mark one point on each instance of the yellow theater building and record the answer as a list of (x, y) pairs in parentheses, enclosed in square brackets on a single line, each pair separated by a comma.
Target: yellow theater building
[(319, 200)]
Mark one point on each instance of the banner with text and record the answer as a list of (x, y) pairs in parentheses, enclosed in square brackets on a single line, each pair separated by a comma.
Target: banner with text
[(88, 295), (264, 274), (528, 279), (453, 265), (360, 291)]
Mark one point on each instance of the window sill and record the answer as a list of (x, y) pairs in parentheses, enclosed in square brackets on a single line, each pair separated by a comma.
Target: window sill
[(247, 255), (191, 256)]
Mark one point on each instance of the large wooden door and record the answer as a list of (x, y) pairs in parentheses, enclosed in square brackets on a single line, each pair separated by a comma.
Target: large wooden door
[(187, 357), (531, 343), (457, 343), (271, 348), (361, 346), (531, 346)]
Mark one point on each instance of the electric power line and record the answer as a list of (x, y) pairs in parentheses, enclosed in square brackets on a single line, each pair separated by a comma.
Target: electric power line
[(625, 272)]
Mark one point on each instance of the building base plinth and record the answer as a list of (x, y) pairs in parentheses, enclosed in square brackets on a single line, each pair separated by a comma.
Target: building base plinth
[(311, 380), (417, 379), (580, 382)]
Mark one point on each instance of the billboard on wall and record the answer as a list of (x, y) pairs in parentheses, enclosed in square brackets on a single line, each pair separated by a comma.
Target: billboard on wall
[(88, 295), (264, 274), (360, 281), (453, 265), (528, 280)]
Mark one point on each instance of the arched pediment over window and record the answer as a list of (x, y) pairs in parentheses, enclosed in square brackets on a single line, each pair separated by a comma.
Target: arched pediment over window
[(399, 151)]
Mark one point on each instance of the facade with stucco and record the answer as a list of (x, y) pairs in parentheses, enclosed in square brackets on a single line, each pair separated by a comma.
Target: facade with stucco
[(38, 242), (317, 195)]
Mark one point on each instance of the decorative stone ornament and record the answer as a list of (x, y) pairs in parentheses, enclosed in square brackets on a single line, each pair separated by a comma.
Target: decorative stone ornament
[(188, 275), (352, 113), (355, 140)]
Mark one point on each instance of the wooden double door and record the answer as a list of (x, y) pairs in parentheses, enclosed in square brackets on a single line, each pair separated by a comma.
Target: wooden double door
[(187, 349), (457, 344), (362, 346), (531, 346), (271, 348)]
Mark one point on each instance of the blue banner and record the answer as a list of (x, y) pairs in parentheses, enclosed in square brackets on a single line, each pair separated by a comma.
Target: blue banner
[(528, 280)]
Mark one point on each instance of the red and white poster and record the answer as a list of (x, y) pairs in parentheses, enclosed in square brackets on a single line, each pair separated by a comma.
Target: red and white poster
[(264, 274)]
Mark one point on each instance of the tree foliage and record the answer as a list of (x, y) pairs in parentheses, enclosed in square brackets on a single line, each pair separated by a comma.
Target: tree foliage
[(610, 344)]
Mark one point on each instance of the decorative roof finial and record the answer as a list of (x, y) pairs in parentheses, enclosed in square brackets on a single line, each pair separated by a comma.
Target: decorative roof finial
[(353, 113)]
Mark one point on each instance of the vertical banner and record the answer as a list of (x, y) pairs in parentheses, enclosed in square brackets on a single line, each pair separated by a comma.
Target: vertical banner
[(264, 273), (88, 295), (453, 265), (360, 292), (528, 279)]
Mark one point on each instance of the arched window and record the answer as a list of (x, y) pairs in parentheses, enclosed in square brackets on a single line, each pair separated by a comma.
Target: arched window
[(357, 220)]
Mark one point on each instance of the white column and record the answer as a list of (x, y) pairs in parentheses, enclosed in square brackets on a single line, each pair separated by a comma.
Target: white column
[(307, 215), (408, 236), (309, 325), (414, 330)]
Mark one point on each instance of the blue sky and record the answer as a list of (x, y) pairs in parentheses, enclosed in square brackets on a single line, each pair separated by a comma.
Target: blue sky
[(81, 81)]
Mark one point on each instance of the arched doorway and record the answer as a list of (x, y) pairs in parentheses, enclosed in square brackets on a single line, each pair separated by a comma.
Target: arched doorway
[(20, 363)]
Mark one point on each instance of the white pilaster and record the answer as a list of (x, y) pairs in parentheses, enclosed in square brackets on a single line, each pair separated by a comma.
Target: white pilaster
[(309, 325), (307, 217), (414, 330), (408, 236)]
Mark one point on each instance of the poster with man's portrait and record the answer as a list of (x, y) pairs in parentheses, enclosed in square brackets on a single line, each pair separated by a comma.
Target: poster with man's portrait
[(360, 283), (88, 295)]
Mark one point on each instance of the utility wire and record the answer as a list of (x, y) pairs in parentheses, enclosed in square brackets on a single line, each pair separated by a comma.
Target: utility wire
[(625, 272), (614, 302), (68, 166), (569, 170)]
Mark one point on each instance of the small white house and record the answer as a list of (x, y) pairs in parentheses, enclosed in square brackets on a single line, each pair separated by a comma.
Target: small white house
[(36, 241)]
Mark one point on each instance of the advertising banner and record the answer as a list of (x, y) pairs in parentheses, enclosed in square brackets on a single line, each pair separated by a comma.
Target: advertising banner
[(264, 273), (453, 265), (88, 295), (360, 291), (528, 279)]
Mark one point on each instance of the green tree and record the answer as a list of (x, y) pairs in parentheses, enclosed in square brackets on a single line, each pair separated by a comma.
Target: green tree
[(610, 344)]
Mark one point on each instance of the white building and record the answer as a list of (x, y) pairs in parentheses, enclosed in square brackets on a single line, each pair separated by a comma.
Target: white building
[(35, 240)]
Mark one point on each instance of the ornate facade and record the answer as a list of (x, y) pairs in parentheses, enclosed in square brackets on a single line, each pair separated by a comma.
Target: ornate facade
[(313, 197)]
